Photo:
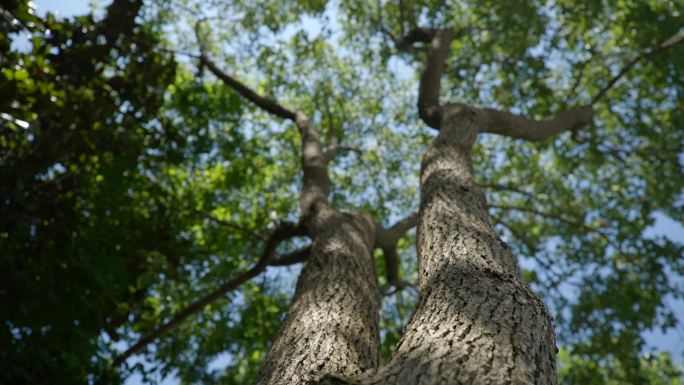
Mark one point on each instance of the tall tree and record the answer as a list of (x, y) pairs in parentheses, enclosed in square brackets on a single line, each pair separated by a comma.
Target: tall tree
[(293, 133)]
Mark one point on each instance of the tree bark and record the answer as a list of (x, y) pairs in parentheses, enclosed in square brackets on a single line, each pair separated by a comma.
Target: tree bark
[(476, 320), (332, 325)]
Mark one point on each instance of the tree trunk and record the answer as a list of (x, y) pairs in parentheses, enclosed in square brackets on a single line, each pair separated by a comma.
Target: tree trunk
[(332, 325), (476, 320)]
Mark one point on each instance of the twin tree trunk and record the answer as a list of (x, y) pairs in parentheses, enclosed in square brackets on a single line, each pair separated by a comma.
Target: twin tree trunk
[(476, 321)]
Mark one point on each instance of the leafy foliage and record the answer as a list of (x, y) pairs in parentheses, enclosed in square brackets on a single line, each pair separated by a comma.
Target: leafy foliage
[(133, 182), (77, 130), (578, 369)]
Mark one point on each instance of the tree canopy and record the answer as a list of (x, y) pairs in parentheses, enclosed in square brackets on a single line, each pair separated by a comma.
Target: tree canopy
[(146, 201)]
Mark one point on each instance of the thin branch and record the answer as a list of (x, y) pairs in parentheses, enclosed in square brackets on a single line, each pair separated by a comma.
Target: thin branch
[(531, 247), (582, 68), (284, 231), (247, 231), (381, 25), (316, 181), (429, 108), (334, 151), (387, 239), (416, 35), (297, 256), (674, 40), (438, 43), (596, 230), (402, 16), (335, 139), (557, 277), (539, 213), (405, 224), (504, 187), (269, 105)]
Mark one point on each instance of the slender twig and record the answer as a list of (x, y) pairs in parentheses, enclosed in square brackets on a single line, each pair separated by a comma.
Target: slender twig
[(315, 181), (245, 230), (582, 68), (539, 213), (532, 248), (674, 40), (503, 187), (269, 105), (557, 277), (595, 230), (381, 24)]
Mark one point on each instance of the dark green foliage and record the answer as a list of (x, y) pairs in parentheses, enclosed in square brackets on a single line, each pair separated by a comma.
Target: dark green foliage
[(79, 218)]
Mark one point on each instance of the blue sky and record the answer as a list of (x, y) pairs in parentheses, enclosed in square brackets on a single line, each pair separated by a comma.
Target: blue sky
[(672, 341)]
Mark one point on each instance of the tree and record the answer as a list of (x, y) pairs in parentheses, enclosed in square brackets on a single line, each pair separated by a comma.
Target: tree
[(185, 178)]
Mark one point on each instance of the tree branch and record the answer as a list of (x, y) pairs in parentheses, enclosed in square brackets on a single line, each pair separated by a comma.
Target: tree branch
[(416, 35), (429, 108), (333, 151), (674, 40), (269, 105), (244, 230), (533, 252), (380, 22), (582, 66), (504, 187), (532, 248), (521, 127), (316, 181), (597, 230), (574, 119), (403, 225), (539, 213), (386, 239), (439, 42), (335, 136), (297, 256), (284, 231)]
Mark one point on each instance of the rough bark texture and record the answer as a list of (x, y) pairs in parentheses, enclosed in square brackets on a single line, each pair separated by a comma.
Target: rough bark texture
[(476, 320), (332, 325)]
